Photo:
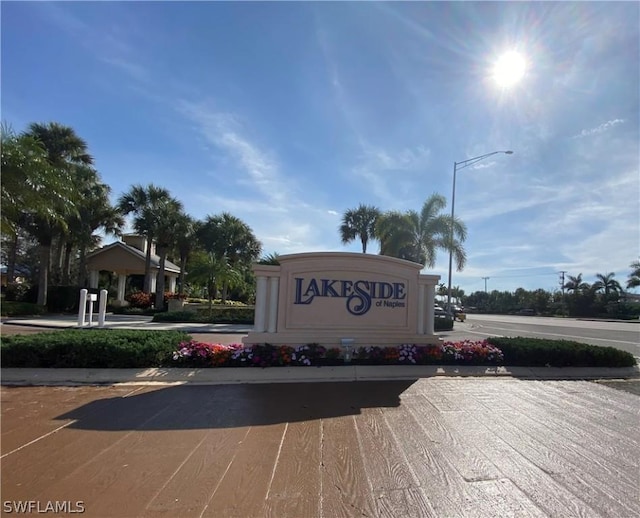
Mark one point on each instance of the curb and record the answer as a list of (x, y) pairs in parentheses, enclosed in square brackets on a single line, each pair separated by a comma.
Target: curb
[(222, 376)]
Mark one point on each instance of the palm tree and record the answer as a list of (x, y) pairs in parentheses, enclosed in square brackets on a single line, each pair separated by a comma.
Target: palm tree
[(186, 230), (606, 283), (360, 222), (208, 269), (417, 237), (575, 284), (228, 237), (272, 259), (169, 214), (633, 280), (144, 203), (30, 186), (62, 143), (64, 149)]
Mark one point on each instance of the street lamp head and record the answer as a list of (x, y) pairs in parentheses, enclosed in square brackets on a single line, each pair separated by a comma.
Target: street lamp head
[(508, 152)]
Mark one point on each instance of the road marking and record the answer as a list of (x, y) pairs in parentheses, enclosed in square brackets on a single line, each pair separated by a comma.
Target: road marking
[(485, 334), (565, 336)]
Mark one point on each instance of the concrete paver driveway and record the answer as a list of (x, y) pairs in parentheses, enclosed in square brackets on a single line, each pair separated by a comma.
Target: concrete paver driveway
[(472, 447)]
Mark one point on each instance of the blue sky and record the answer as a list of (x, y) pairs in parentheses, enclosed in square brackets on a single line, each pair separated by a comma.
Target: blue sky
[(287, 114)]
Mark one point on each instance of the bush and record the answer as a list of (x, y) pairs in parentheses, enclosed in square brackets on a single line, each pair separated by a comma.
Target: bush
[(91, 348), (200, 354), (21, 309), (128, 310), (536, 352), (65, 299), (219, 315), (443, 324), (15, 292), (139, 299)]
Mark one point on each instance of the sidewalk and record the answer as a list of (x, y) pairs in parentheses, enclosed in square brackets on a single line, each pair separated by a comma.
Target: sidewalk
[(127, 322)]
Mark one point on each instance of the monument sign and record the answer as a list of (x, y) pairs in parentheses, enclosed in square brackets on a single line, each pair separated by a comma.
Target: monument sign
[(329, 297)]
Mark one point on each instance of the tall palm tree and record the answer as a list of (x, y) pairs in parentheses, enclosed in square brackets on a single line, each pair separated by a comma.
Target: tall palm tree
[(210, 270), (360, 222), (575, 284), (633, 281), (418, 236), (144, 203), (169, 214), (64, 150), (186, 230), (607, 284), (230, 238)]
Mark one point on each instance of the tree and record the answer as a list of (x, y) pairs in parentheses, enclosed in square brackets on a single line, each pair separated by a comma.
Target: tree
[(209, 270), (64, 149), (272, 259), (575, 284), (360, 222), (169, 218), (417, 237), (633, 280), (186, 231), (607, 284), (144, 203), (228, 237), (94, 212), (29, 185)]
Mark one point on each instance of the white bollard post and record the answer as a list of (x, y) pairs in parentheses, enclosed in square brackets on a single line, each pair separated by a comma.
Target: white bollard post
[(82, 307), (92, 298), (102, 308)]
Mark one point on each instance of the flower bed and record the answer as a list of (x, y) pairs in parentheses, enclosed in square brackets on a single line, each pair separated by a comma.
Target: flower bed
[(201, 354)]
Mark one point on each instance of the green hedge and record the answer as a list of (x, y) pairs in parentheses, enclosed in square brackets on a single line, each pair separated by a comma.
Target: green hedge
[(227, 315), (443, 324), (91, 348), (21, 309), (537, 352)]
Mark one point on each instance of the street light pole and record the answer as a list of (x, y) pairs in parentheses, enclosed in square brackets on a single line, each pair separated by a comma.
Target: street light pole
[(456, 166)]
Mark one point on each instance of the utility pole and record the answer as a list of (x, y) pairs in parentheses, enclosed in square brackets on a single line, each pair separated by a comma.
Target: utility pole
[(562, 272), (485, 283)]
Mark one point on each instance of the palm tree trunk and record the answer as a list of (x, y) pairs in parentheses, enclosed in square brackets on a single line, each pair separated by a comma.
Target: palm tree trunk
[(11, 259), (225, 288), (43, 280), (183, 266), (147, 270), (82, 267), (160, 282), (66, 267)]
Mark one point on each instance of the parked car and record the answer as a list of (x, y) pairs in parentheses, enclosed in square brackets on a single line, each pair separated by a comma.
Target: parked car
[(439, 312), (529, 312), (458, 313)]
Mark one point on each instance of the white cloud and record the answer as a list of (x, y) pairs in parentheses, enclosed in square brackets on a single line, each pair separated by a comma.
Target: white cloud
[(605, 126), (391, 173)]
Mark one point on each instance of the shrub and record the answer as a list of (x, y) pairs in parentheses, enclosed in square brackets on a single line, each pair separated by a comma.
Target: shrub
[(536, 352), (199, 354), (91, 348), (20, 309), (139, 299), (15, 292), (219, 315), (443, 324)]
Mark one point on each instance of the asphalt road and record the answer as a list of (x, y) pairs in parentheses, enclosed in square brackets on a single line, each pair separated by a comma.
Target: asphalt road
[(622, 335)]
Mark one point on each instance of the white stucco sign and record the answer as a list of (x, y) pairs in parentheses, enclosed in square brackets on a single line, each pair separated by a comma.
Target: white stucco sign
[(326, 297)]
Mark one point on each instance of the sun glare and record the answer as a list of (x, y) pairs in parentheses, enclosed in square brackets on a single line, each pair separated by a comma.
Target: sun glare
[(509, 69)]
